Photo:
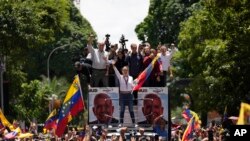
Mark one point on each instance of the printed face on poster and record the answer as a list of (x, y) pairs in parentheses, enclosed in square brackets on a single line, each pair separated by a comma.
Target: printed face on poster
[(103, 105), (152, 102)]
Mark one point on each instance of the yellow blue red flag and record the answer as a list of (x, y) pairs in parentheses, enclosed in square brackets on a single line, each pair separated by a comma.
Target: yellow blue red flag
[(244, 117), (51, 121), (145, 74), (193, 124), (72, 105)]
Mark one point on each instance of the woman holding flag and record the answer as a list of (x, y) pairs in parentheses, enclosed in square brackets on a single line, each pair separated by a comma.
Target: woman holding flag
[(126, 87)]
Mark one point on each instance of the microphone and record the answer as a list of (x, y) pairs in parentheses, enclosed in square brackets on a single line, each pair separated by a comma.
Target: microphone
[(146, 99), (106, 115), (149, 114), (111, 99)]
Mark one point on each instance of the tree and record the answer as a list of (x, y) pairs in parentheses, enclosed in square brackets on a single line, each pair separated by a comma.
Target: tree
[(27, 24), (29, 30), (214, 49), (32, 103), (162, 22), (75, 33)]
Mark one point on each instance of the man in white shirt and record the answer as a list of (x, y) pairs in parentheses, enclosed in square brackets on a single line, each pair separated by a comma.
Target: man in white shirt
[(99, 65), (165, 58)]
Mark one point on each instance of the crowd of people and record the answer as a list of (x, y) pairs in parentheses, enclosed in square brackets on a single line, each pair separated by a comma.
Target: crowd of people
[(214, 132), (96, 63), (120, 68), (116, 67)]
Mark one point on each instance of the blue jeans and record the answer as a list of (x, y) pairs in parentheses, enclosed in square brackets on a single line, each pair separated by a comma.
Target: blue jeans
[(126, 99)]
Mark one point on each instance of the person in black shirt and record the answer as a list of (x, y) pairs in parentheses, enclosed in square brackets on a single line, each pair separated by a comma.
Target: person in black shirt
[(112, 56), (83, 69), (120, 63), (135, 64)]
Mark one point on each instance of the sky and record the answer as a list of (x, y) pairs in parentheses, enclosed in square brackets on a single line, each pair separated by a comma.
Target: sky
[(115, 17)]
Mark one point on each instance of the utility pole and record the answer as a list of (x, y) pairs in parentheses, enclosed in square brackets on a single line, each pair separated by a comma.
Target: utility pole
[(2, 70)]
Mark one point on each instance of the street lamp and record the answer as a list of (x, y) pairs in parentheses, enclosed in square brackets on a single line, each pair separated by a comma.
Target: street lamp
[(60, 47)]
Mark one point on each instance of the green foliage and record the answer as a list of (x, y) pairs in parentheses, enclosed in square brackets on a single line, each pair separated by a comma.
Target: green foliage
[(213, 39), (26, 24), (176, 116), (29, 31), (32, 103), (75, 33), (162, 22), (214, 47), (56, 86)]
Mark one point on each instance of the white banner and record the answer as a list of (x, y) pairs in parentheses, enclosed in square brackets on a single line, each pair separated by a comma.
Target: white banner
[(152, 102), (104, 105)]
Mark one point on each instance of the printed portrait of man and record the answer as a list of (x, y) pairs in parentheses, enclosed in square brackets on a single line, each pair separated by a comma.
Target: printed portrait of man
[(103, 109), (152, 108)]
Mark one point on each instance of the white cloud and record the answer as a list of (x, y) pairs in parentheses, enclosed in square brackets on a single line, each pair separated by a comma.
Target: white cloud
[(115, 17)]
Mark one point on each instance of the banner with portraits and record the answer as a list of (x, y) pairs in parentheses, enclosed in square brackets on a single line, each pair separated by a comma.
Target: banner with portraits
[(152, 102), (103, 105)]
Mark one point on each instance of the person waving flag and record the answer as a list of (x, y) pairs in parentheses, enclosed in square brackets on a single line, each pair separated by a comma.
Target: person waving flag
[(139, 81), (193, 124)]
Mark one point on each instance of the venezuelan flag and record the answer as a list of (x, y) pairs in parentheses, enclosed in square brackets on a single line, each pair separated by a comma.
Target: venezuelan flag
[(72, 105), (187, 114), (144, 75), (193, 123), (51, 121), (244, 117), (4, 121), (197, 121), (188, 134)]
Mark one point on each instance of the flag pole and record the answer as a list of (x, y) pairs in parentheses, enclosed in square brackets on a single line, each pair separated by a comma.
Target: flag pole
[(80, 88), (81, 95)]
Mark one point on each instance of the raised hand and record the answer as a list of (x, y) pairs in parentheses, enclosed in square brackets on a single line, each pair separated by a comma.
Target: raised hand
[(171, 76), (90, 39), (113, 62)]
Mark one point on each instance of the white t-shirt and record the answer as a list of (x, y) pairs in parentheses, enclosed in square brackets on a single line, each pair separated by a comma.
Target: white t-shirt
[(165, 59), (98, 61), (126, 83)]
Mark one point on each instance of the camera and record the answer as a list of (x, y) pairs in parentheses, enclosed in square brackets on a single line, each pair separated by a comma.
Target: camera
[(107, 43), (123, 40), (107, 35)]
